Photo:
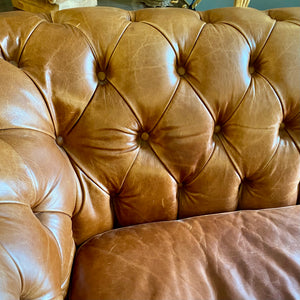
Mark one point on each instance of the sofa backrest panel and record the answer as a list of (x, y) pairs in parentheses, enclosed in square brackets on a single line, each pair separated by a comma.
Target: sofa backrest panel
[(168, 114)]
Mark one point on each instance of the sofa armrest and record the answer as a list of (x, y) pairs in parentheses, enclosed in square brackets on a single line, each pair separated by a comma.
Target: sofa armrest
[(37, 198)]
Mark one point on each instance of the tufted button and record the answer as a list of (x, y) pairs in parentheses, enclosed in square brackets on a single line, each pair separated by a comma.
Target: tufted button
[(281, 126), (181, 71), (101, 76), (251, 69), (145, 136), (14, 63), (59, 140), (180, 185), (217, 129)]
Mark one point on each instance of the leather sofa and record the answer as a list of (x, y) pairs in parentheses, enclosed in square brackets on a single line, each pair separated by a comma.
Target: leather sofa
[(150, 154)]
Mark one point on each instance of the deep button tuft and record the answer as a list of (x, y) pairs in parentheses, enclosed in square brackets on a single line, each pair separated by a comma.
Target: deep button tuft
[(181, 71), (59, 140), (217, 129), (180, 185), (251, 69), (101, 76), (145, 136), (14, 63), (281, 126)]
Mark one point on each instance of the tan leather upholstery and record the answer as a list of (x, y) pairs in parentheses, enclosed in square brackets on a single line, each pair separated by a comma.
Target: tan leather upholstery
[(116, 118), (222, 256)]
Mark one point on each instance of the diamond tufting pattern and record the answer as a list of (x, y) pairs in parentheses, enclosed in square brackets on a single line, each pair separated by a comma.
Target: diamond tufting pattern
[(144, 121), (202, 91)]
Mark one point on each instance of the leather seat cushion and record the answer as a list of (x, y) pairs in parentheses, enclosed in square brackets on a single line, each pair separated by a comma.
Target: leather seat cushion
[(236, 255)]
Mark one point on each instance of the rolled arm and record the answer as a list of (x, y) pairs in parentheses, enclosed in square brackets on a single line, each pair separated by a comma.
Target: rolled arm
[(37, 198)]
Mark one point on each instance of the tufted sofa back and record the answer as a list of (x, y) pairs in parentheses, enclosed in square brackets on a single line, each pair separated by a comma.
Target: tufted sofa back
[(167, 114)]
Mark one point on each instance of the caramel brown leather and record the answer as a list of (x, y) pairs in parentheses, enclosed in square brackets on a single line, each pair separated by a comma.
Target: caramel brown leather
[(112, 118)]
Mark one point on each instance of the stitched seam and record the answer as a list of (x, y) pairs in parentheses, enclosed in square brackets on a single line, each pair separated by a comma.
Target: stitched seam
[(128, 105), (229, 156), (129, 169), (240, 102), (29, 36), (275, 92), (165, 166), (163, 34), (73, 162), (204, 165), (83, 111), (44, 98), (167, 105), (200, 99), (196, 41), (117, 43), (238, 30), (267, 39), (90, 44), (294, 141)]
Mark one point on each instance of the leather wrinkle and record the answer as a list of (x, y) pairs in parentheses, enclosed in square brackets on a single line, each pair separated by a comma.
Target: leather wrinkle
[(32, 177), (56, 212), (47, 229), (53, 187), (15, 263), (137, 266)]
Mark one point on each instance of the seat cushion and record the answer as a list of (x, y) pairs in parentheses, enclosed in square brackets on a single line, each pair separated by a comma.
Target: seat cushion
[(237, 255)]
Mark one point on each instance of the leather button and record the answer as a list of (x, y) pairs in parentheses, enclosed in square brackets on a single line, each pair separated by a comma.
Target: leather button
[(251, 69), (181, 71), (217, 129), (281, 126), (14, 63), (59, 140), (101, 76), (145, 136)]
